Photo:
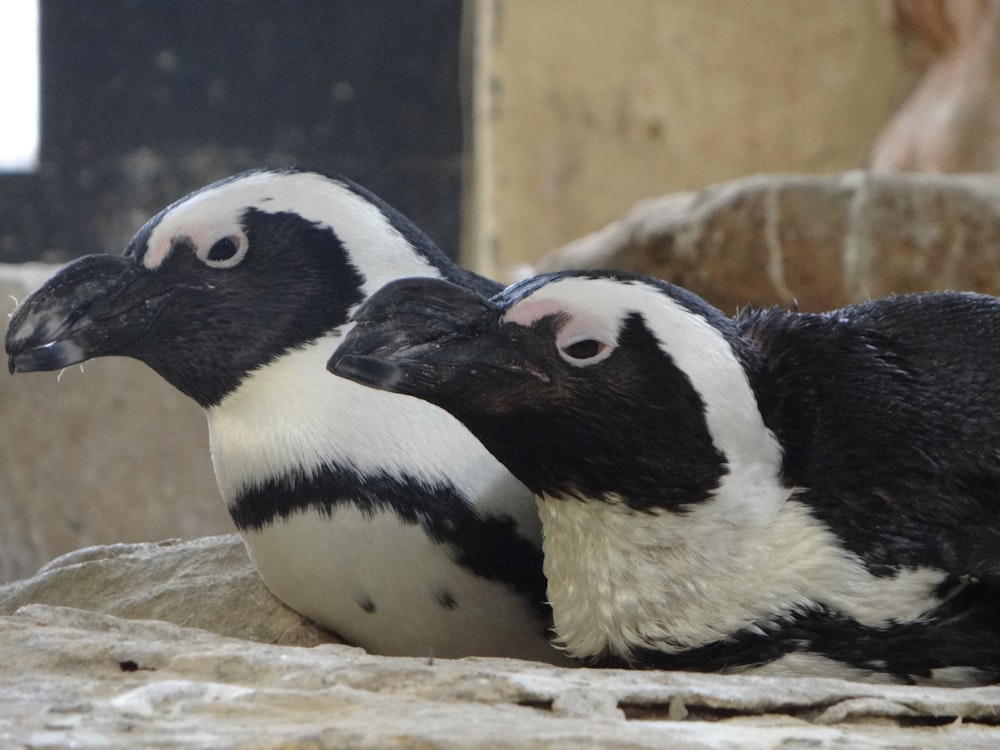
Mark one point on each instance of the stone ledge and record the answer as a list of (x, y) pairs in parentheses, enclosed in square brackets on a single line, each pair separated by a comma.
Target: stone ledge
[(820, 241), (76, 672), (207, 583), (80, 677)]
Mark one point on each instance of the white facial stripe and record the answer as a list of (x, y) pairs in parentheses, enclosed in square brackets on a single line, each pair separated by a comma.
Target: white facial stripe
[(203, 218), (382, 252), (751, 492), (531, 309)]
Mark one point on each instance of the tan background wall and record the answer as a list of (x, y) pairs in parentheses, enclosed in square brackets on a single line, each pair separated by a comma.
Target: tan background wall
[(583, 107), (110, 454)]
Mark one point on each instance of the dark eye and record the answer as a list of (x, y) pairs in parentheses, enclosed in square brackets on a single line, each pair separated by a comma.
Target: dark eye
[(584, 349), (224, 249)]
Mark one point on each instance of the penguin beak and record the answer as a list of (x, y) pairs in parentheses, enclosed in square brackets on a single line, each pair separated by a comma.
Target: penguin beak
[(428, 338), (96, 306)]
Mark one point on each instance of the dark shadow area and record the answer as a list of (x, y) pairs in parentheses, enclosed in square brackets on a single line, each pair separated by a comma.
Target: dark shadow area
[(145, 100)]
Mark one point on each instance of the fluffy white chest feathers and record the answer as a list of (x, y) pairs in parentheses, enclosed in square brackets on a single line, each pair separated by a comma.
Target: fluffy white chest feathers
[(621, 580)]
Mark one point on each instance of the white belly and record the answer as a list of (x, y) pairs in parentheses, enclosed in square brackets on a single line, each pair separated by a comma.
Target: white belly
[(385, 586)]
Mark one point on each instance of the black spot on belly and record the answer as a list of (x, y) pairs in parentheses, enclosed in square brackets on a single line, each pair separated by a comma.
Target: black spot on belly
[(367, 605), (446, 600)]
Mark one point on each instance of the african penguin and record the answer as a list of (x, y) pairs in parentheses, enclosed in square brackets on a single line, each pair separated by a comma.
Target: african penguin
[(378, 516), (785, 492)]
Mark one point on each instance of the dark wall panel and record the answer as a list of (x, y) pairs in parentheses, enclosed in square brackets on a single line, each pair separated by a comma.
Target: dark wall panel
[(145, 100)]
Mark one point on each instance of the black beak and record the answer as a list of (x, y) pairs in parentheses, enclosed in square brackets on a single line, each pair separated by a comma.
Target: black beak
[(96, 306), (424, 337)]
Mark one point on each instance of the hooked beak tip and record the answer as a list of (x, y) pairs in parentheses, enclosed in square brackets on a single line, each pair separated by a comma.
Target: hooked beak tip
[(371, 371), (53, 356)]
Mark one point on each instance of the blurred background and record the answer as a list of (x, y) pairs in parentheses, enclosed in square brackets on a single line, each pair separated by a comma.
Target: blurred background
[(143, 101), (756, 151)]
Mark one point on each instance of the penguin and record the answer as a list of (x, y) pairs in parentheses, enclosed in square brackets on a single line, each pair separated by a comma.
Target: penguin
[(378, 516), (781, 492)]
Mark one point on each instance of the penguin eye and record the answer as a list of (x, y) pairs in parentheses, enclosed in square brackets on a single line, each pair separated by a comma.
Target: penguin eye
[(224, 249), (584, 352), (225, 252), (584, 349)]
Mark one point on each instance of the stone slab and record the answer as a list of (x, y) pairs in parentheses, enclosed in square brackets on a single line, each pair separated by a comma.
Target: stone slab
[(76, 678), (818, 242), (208, 583)]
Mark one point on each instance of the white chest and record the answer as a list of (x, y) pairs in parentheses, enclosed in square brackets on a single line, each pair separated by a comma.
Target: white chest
[(620, 580)]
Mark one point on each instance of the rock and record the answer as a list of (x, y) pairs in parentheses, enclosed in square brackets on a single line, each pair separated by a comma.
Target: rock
[(951, 120), (820, 241), (110, 454), (77, 678), (206, 583)]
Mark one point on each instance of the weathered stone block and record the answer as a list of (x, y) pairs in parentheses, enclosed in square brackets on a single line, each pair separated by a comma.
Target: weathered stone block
[(77, 678), (821, 241), (208, 583)]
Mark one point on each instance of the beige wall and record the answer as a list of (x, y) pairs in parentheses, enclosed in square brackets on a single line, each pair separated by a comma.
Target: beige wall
[(583, 107), (108, 454)]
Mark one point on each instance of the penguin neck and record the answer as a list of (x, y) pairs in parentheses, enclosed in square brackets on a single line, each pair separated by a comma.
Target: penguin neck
[(622, 581), (727, 371)]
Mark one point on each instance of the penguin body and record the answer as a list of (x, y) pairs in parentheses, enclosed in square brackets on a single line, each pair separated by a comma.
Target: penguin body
[(378, 516), (784, 492)]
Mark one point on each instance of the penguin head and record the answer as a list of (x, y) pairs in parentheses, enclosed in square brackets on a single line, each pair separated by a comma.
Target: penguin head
[(600, 386), (223, 281)]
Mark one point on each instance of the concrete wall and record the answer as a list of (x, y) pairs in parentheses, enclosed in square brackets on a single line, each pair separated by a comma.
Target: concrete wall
[(583, 107), (110, 454)]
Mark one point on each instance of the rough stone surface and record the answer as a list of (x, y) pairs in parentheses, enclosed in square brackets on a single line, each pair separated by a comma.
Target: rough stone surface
[(208, 658), (110, 454), (77, 678), (820, 241), (207, 583), (951, 120)]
